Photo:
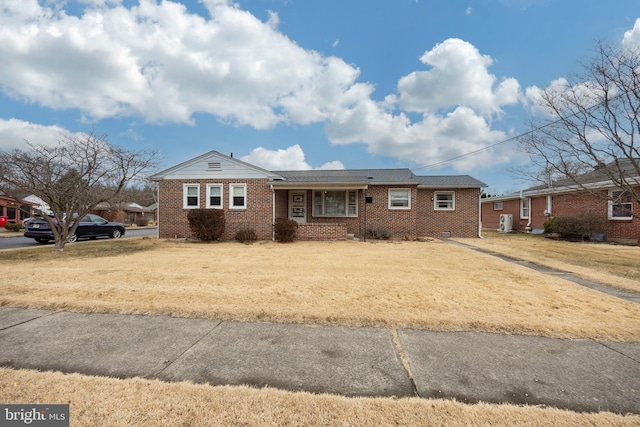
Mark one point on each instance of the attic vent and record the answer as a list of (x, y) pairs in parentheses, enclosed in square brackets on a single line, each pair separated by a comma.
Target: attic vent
[(214, 166)]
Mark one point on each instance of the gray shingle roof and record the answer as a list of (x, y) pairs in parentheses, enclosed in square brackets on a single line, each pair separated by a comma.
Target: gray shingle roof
[(350, 176), (625, 167), (449, 181), (378, 176)]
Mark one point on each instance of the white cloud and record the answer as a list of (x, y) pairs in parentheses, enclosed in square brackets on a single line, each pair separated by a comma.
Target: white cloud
[(159, 62), (458, 76), (434, 139), (291, 158), (15, 133), (163, 63), (457, 98), (631, 38)]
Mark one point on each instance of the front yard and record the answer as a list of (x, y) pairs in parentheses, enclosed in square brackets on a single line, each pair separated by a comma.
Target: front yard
[(433, 285), (430, 285)]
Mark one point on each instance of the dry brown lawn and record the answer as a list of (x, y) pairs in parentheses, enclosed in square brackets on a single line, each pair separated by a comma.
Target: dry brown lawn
[(431, 285), (137, 402), (614, 265)]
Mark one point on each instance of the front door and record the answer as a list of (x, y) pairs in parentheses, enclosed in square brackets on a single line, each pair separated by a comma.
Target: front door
[(298, 206)]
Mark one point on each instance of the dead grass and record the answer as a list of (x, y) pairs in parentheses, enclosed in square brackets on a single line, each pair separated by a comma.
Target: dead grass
[(614, 265), (430, 285), (137, 402)]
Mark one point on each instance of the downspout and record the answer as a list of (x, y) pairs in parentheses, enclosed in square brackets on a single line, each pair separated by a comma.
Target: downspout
[(158, 211), (273, 212), (549, 210), (480, 215)]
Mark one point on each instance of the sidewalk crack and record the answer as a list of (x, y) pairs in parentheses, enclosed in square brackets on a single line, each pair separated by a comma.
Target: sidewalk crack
[(169, 363)]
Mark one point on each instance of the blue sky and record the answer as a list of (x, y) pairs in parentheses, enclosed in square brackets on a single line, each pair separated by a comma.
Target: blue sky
[(299, 84)]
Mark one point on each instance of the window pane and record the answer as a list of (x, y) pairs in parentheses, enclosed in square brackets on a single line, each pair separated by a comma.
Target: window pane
[(238, 191), (334, 202), (317, 203), (192, 191), (214, 191), (215, 201), (192, 201), (353, 206), (399, 198)]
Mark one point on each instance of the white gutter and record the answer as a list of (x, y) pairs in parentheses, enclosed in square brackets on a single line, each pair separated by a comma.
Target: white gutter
[(273, 213), (480, 215)]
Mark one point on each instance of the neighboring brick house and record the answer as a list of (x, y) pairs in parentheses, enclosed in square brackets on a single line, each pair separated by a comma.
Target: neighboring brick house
[(593, 194), (328, 205), (15, 210)]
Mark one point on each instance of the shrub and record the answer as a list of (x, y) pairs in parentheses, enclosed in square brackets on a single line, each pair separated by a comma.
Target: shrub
[(142, 221), (13, 227), (207, 224), (286, 230), (583, 226), (246, 235), (378, 233)]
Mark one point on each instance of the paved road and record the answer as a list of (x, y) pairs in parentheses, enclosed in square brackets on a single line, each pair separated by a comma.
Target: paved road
[(24, 242)]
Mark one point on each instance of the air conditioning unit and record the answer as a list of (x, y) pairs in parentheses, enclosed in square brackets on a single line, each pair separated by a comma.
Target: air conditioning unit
[(506, 223)]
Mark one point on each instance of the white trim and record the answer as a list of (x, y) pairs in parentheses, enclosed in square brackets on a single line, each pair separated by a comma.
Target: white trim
[(453, 201), (404, 208), (208, 196), (611, 203), (185, 195), (522, 215), (237, 185)]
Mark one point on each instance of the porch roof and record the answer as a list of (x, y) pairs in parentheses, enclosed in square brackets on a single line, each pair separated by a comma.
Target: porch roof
[(353, 178)]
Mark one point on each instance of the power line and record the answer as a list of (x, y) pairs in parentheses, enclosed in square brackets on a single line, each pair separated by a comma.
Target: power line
[(537, 128)]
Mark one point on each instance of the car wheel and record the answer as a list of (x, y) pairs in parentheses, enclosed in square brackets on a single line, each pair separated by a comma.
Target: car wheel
[(73, 238), (41, 241), (116, 233)]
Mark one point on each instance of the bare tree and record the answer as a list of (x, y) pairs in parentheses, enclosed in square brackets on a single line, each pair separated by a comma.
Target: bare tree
[(72, 177), (592, 125)]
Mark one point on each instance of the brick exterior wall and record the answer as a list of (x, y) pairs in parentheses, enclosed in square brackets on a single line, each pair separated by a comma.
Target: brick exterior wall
[(172, 217), (563, 205), (317, 231), (419, 221), (461, 222)]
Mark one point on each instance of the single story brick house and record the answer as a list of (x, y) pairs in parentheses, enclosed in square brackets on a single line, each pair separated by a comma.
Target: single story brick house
[(15, 210), (327, 204), (593, 194)]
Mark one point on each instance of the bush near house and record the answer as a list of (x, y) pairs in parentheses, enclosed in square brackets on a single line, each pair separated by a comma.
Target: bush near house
[(246, 235), (378, 233), (286, 230), (13, 227), (206, 224), (581, 227)]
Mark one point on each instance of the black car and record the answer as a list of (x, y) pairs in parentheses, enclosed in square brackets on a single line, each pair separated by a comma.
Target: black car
[(91, 226)]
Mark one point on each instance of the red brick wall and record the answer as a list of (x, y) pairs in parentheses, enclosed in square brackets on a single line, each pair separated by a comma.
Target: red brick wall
[(563, 205), (491, 217), (420, 220), (461, 222), (400, 223), (316, 231), (586, 203), (172, 217)]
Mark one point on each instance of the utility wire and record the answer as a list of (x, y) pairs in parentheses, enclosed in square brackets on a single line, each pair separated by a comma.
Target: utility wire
[(488, 147)]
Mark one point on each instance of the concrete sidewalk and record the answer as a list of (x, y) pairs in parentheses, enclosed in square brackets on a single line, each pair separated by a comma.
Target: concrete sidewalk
[(580, 375)]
